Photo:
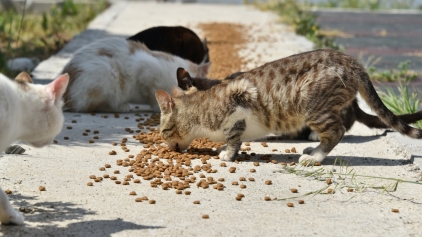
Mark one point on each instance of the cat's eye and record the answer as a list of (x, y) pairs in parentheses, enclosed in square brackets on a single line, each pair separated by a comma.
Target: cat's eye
[(168, 129)]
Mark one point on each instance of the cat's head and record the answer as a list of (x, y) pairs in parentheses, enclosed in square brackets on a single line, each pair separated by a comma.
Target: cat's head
[(42, 109), (191, 84), (173, 129)]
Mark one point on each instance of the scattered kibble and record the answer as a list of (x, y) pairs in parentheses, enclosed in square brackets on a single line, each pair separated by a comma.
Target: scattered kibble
[(69, 127), (252, 170), (8, 191), (41, 188), (330, 190), (89, 184), (243, 186), (196, 202), (301, 201), (293, 190), (138, 200), (251, 179), (267, 198), (232, 169), (395, 210), (113, 152), (350, 190), (268, 182), (290, 204), (151, 201), (328, 181), (287, 151), (132, 193), (205, 217), (66, 138), (293, 150), (256, 163)]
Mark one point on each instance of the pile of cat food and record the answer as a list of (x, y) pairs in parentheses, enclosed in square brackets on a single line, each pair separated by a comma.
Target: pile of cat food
[(224, 41), (172, 170)]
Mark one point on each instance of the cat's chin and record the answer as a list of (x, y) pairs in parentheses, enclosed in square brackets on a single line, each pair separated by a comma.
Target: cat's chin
[(40, 143)]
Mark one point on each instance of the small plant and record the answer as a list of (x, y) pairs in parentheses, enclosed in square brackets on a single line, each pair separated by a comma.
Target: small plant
[(404, 102), (367, 4), (303, 21), (393, 75)]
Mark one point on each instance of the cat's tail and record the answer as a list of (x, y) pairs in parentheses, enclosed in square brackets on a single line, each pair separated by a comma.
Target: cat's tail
[(367, 91), (374, 122)]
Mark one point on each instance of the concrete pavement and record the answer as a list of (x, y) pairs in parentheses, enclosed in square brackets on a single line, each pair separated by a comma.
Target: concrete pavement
[(69, 207)]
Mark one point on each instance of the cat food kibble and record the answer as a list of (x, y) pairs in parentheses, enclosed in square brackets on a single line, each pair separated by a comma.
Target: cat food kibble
[(125, 183), (113, 152), (350, 190), (84, 134), (66, 138), (293, 150), (232, 169), (116, 172), (267, 198), (138, 200), (136, 181), (8, 191), (268, 182), (96, 132), (223, 164), (113, 177), (144, 198), (196, 202), (235, 183), (92, 176), (290, 204), (328, 181), (243, 186), (187, 192), (55, 141), (395, 210), (102, 168), (132, 193), (251, 179), (41, 188), (221, 179), (256, 163), (293, 190), (247, 144), (151, 201), (95, 137), (107, 165), (242, 179), (73, 121), (283, 163), (300, 201), (239, 198), (292, 163), (69, 127), (117, 182), (330, 190), (92, 141), (205, 216), (106, 176)]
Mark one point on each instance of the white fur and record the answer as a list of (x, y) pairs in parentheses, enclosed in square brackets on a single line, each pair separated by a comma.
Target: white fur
[(32, 114), (142, 72)]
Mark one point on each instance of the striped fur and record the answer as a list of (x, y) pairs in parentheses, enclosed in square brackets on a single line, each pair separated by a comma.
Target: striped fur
[(283, 97)]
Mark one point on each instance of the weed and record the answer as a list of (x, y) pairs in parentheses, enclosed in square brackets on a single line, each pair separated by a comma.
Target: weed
[(367, 4), (343, 179), (392, 75)]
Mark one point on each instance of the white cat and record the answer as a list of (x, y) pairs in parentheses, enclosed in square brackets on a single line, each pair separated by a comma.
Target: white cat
[(30, 113), (110, 73)]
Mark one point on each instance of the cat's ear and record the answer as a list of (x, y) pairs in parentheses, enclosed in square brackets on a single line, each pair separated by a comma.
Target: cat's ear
[(23, 77), (57, 87), (164, 101), (184, 80), (203, 69), (177, 92)]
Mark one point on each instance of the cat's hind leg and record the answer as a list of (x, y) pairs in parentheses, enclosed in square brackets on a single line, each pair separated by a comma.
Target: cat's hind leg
[(233, 141), (330, 131), (8, 215)]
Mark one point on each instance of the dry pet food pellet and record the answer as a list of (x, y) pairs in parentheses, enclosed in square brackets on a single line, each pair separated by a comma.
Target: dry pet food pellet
[(138, 200), (221, 179), (395, 210), (144, 198), (102, 168), (247, 144), (151, 201), (242, 179), (232, 169), (74, 121), (350, 190), (300, 201), (274, 150), (317, 164), (106, 176), (256, 163), (55, 141), (205, 216), (92, 176), (196, 202), (132, 193), (87, 130), (187, 192), (283, 163), (290, 204), (113, 177), (238, 198), (267, 198), (113, 152), (178, 191), (69, 127), (223, 164), (118, 182), (89, 184), (287, 151), (92, 141), (95, 137), (293, 190), (66, 138), (292, 163), (268, 182), (107, 165), (240, 195), (96, 132), (8, 191), (137, 181), (114, 144), (242, 186), (235, 183), (41, 188), (84, 134), (116, 172), (252, 170), (251, 179), (293, 150), (328, 181), (125, 183), (330, 190)]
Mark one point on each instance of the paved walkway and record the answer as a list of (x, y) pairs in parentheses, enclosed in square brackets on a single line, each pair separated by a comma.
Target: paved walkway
[(71, 208)]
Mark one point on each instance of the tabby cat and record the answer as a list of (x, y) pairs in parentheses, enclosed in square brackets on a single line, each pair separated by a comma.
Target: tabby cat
[(349, 115), (281, 97)]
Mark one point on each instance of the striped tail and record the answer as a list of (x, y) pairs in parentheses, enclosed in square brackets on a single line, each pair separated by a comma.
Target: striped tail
[(367, 91)]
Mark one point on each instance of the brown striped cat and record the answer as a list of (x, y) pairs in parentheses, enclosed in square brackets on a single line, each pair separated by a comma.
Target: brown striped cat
[(349, 115), (281, 97)]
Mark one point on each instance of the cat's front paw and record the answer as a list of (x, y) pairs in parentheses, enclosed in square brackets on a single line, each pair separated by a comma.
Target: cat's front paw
[(308, 150), (224, 156), (308, 159), (12, 217)]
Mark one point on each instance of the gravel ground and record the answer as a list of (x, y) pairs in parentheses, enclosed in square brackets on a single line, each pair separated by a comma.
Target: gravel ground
[(69, 207)]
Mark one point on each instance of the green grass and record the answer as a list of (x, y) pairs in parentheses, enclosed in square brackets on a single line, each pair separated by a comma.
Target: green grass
[(43, 35)]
